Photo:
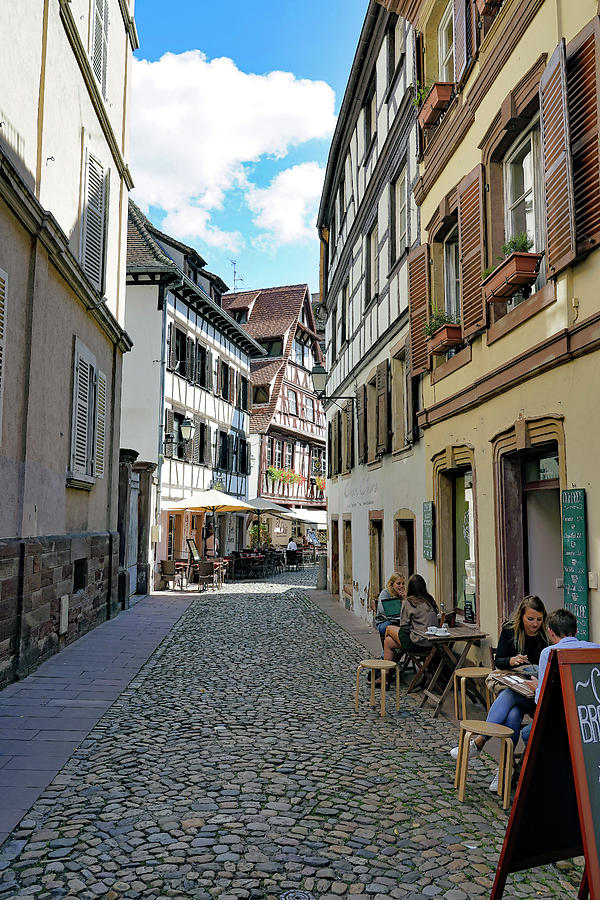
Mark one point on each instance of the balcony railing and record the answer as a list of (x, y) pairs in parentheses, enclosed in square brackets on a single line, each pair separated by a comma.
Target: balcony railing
[(302, 490)]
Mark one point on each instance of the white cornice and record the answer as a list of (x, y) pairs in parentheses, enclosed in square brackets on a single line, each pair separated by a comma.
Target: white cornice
[(92, 87)]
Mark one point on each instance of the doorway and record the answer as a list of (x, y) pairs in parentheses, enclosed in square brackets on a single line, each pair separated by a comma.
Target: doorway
[(404, 547), (335, 557), (377, 577), (532, 527)]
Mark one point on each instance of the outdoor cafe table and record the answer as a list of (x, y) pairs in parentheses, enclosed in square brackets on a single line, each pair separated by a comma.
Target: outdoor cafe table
[(514, 681), (443, 644)]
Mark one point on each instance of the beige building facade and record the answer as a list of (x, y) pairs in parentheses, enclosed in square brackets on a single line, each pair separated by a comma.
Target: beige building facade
[(63, 146)]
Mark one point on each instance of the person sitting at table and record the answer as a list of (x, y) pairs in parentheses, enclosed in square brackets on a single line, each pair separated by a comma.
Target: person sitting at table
[(562, 630), (521, 642), (419, 611), (395, 589), (292, 545)]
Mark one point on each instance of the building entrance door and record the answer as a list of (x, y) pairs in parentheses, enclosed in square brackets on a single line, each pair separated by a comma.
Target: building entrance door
[(376, 559), (335, 558)]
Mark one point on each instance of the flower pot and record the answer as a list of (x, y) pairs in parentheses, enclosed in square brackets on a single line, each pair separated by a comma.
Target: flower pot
[(488, 7), (516, 271), (449, 335), (435, 103)]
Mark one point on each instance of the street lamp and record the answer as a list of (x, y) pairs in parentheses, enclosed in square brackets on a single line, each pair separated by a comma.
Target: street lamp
[(186, 434), (319, 380)]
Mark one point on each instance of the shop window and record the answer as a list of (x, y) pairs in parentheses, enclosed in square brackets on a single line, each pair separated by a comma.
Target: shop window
[(446, 44)]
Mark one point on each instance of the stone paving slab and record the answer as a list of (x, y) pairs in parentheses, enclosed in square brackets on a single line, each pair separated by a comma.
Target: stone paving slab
[(46, 716), (235, 765)]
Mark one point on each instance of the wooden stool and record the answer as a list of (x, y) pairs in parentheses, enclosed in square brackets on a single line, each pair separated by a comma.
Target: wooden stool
[(476, 673), (473, 727), (383, 666)]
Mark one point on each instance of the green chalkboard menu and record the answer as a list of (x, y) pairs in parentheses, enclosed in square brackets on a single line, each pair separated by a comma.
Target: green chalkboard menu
[(574, 533), (428, 530), (586, 684)]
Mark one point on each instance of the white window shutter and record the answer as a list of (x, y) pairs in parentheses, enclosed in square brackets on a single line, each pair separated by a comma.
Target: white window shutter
[(94, 219), (82, 399), (100, 43), (3, 298), (100, 429)]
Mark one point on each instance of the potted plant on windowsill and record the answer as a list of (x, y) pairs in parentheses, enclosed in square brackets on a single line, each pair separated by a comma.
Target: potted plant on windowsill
[(516, 271), (433, 101), (443, 331), (488, 7)]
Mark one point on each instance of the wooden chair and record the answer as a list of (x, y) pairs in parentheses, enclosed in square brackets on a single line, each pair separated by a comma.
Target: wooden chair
[(204, 571), (170, 572), (470, 728), (420, 660), (383, 666)]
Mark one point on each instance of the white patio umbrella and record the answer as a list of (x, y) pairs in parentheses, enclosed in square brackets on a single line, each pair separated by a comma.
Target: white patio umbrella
[(209, 501)]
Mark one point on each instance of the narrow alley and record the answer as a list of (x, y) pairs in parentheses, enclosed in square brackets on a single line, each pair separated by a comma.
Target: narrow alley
[(233, 764)]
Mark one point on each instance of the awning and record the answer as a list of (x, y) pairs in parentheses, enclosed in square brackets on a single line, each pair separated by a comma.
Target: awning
[(316, 517), (262, 505)]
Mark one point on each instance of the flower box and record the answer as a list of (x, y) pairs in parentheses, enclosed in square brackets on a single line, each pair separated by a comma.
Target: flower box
[(449, 335), (516, 271), (488, 7), (435, 103)]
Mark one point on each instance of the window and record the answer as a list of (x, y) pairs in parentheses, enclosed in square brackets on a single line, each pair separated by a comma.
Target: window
[(225, 379), (243, 393), (100, 43), (79, 574), (372, 260), (223, 447), (180, 351), (396, 48), (344, 334), (452, 273), (269, 451), (399, 192), (370, 117), (446, 44), (309, 409), (292, 402), (201, 443), (241, 316), (260, 393), (273, 347), (347, 548), (524, 194), (342, 196), (243, 457), (317, 462), (202, 364), (333, 338), (94, 221), (88, 431), (278, 454), (289, 455), (298, 352)]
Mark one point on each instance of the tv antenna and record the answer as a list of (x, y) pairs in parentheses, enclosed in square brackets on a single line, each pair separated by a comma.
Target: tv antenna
[(236, 278)]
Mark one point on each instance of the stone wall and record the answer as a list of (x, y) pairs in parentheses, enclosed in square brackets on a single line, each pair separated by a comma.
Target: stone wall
[(52, 590)]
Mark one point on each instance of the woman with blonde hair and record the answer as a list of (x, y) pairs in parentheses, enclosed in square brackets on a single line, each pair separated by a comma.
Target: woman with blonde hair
[(521, 642), (393, 591), (419, 611)]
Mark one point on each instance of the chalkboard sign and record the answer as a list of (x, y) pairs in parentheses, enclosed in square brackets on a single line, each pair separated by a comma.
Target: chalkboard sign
[(428, 530), (575, 558), (556, 810)]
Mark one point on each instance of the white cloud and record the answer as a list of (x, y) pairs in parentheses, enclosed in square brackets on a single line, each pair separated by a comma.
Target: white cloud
[(196, 124), (287, 208)]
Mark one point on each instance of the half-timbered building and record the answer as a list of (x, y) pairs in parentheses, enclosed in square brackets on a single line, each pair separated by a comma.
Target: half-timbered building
[(368, 222), (287, 425), (190, 367)]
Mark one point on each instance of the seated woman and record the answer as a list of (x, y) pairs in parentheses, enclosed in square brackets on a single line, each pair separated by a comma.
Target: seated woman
[(419, 610), (521, 642), (395, 589)]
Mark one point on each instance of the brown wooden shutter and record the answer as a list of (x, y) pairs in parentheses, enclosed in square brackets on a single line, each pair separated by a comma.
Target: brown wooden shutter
[(419, 60), (583, 65), (361, 422), (408, 394), (460, 39), (207, 445), (169, 430), (338, 441), (171, 347), (232, 385), (383, 407), (329, 450), (190, 358), (471, 246), (230, 451), (418, 307), (209, 371), (196, 440), (218, 377), (348, 412), (557, 164)]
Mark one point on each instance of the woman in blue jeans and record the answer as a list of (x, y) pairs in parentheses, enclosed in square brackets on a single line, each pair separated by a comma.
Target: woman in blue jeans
[(521, 642), (395, 589)]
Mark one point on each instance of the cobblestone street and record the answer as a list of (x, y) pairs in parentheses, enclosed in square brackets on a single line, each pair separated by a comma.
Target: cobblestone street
[(234, 765)]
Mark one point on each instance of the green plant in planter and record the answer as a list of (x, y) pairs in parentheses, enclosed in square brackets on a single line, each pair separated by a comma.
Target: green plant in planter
[(437, 318), (421, 92), (518, 243)]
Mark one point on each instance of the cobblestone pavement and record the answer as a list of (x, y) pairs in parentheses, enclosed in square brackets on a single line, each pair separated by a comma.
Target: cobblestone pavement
[(234, 765)]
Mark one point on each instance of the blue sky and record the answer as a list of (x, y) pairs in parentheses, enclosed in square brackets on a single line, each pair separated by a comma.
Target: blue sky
[(233, 109)]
